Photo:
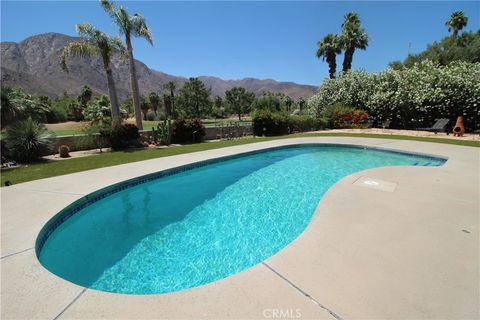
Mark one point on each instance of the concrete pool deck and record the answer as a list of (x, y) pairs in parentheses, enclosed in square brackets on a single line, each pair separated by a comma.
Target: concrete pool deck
[(409, 250)]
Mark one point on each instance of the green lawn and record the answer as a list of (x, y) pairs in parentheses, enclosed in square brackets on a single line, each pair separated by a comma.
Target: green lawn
[(56, 168)]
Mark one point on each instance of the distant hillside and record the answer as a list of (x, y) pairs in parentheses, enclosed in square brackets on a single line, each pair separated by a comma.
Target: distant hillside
[(34, 65)]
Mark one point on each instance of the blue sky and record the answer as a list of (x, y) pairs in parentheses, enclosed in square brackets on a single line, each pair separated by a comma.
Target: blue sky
[(234, 40)]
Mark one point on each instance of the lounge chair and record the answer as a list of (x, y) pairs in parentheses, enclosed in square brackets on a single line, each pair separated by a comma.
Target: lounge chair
[(439, 125)]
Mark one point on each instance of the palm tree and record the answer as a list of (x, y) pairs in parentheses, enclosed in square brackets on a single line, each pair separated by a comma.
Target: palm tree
[(144, 106), (130, 25), (171, 86), (328, 49), (457, 22), (154, 99), (11, 106), (95, 42), (353, 37)]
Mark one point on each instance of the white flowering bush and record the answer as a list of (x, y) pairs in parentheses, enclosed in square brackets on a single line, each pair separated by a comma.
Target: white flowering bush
[(410, 97)]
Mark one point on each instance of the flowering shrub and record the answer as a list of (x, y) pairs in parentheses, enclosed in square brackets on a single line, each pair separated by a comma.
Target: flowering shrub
[(410, 97), (339, 116)]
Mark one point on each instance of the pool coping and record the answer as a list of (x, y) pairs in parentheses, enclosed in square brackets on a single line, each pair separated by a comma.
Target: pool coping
[(271, 268)]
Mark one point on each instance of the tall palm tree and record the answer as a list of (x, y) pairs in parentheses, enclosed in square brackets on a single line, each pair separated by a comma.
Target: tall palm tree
[(457, 22), (171, 86), (130, 25), (328, 48), (95, 42), (353, 37)]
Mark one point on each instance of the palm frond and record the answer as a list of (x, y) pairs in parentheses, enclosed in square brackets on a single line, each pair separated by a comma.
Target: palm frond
[(85, 30), (108, 6), (330, 45), (117, 14), (77, 49), (122, 19), (117, 46), (140, 28)]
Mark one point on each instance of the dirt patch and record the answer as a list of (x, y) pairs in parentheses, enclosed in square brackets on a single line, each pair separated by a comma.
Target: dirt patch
[(69, 125)]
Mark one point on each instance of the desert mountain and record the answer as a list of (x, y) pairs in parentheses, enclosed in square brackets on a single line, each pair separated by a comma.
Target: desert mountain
[(33, 64)]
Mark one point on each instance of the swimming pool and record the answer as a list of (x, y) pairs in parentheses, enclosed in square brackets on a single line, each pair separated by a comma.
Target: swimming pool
[(193, 225)]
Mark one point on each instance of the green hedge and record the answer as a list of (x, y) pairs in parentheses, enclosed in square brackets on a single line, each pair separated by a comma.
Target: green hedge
[(268, 123), (187, 130), (122, 136)]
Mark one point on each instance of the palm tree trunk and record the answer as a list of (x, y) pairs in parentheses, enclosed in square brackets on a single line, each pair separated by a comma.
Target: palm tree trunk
[(347, 59), (172, 98), (168, 107), (134, 83), (332, 66), (112, 93)]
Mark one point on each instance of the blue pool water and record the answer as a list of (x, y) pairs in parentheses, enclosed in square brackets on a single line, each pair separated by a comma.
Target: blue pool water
[(204, 224)]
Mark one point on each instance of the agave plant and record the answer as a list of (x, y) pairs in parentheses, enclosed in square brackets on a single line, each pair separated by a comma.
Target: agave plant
[(27, 140)]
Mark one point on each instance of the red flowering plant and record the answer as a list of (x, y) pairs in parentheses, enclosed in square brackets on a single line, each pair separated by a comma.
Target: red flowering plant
[(359, 117)]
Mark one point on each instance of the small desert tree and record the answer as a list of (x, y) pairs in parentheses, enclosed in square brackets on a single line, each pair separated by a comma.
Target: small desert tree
[(194, 99), (239, 100)]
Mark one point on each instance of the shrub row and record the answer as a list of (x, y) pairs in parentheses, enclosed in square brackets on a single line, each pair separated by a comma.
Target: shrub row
[(268, 123), (27, 140), (122, 136), (409, 97)]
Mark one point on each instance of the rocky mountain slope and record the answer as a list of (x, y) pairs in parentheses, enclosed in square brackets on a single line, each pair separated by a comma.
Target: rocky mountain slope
[(34, 65)]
